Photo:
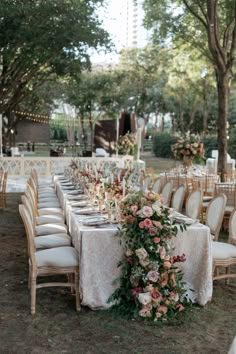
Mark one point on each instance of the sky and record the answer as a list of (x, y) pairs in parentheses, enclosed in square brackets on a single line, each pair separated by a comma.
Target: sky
[(110, 17)]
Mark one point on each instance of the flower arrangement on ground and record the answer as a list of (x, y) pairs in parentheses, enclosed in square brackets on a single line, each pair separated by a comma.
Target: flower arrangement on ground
[(151, 284), (127, 144), (190, 146)]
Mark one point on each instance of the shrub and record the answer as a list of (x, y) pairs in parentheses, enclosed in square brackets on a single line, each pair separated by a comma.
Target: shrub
[(162, 145)]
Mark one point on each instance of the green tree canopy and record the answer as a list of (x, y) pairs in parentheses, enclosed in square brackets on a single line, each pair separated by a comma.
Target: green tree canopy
[(44, 37), (210, 26)]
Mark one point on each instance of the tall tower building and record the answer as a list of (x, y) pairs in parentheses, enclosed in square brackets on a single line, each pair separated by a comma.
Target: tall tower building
[(132, 32)]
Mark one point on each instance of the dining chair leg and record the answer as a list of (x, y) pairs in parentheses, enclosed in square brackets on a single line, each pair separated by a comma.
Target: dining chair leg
[(33, 294), (77, 293), (29, 280), (227, 272)]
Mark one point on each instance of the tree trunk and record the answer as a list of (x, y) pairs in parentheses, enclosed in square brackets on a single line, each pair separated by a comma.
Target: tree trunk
[(223, 84)]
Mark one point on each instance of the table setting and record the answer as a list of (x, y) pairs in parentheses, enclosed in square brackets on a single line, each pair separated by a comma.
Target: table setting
[(94, 222)]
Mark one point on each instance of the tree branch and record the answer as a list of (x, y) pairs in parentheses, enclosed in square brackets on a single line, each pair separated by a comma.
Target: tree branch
[(195, 14), (231, 58)]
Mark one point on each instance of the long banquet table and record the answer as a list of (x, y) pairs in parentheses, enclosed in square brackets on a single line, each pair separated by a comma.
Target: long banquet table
[(100, 251)]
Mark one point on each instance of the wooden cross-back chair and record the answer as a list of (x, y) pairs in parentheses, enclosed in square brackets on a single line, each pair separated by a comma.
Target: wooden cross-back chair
[(49, 262)]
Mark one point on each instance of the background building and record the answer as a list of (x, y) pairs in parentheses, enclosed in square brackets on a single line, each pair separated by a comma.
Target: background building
[(132, 32)]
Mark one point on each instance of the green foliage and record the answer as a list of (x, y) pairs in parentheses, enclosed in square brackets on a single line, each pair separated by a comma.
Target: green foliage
[(210, 143), (162, 145), (151, 286), (38, 38), (232, 143)]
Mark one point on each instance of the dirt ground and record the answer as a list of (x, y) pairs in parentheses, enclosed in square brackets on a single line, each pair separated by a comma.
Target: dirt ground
[(57, 328)]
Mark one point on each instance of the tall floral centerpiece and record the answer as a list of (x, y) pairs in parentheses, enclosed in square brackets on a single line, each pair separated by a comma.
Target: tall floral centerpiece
[(127, 144), (151, 284), (188, 148)]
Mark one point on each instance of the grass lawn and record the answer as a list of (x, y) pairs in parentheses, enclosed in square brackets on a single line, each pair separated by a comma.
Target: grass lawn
[(57, 328)]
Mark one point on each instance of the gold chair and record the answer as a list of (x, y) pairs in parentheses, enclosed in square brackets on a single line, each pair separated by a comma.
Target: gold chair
[(49, 262), (224, 254), (173, 177), (229, 190)]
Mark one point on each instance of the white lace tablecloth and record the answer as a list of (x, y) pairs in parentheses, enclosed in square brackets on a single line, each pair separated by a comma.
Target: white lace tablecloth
[(100, 251), (196, 244)]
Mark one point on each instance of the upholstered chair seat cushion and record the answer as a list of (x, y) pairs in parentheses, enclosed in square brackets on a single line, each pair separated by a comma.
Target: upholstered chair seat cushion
[(222, 250), (49, 229), (52, 241), (49, 204), (57, 257), (47, 219), (50, 211), (47, 195)]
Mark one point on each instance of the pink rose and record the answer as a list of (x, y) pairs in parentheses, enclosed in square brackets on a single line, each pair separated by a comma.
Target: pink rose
[(141, 225), (146, 311), (134, 209), (152, 231), (162, 309), (147, 223), (164, 279), (180, 307), (156, 239), (162, 200), (156, 296), (147, 211), (153, 276)]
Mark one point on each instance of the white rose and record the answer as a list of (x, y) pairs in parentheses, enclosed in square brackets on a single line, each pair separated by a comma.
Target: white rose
[(141, 253), (157, 207), (144, 298)]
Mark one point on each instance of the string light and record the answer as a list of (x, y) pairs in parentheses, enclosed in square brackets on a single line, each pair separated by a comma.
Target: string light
[(45, 119)]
